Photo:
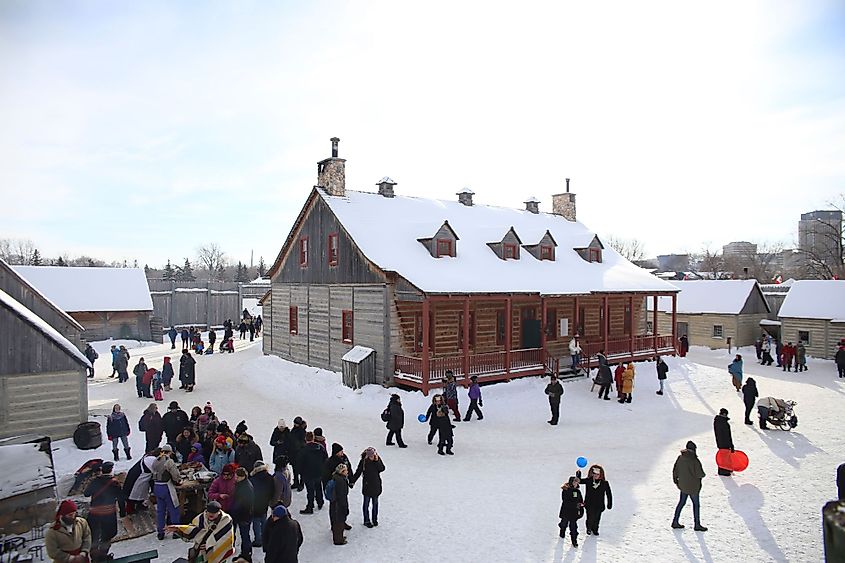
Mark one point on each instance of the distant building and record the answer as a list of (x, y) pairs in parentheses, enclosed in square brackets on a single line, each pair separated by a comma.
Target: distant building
[(820, 236), (739, 249), (673, 262)]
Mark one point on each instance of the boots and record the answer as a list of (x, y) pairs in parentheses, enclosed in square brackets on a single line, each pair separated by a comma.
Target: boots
[(126, 451), (449, 450), (440, 450), (116, 457)]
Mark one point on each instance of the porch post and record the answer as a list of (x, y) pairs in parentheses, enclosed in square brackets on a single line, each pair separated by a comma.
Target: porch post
[(654, 322), (543, 327), (426, 312), (674, 320), (575, 327), (605, 303), (465, 330), (508, 332), (631, 324)]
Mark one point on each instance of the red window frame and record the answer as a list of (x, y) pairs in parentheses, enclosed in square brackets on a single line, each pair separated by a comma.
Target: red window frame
[(303, 252), (547, 252), (332, 249), (347, 326), (511, 249), (594, 254), (443, 242), (461, 329), (551, 324), (500, 328), (293, 319)]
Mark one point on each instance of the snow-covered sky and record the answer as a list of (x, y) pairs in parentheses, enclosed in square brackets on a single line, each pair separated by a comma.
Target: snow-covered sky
[(142, 130)]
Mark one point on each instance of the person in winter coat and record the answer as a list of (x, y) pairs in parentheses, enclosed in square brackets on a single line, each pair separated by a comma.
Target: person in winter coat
[(282, 537), (575, 352), (188, 362), (117, 429), (840, 360), (475, 401), (92, 355), (800, 357), (115, 353), (735, 369), (312, 459), (338, 457), (212, 338), (627, 383), (749, 397), (186, 338), (787, 356), (138, 371), (724, 440), (243, 499), (222, 454), (247, 451), (370, 467), (251, 328), (196, 456), (758, 347), (223, 487), (172, 334), (259, 322), (184, 442), (451, 395), (282, 492), (339, 504), (209, 546), (279, 439), (167, 373), (840, 481), (264, 491), (295, 445), (767, 359), (687, 475), (68, 540), (767, 405), (683, 346), (436, 401), (571, 508), (617, 377), (554, 390), (597, 488), (445, 430), (157, 386), (242, 330), (165, 477), (174, 421), (105, 493), (662, 370), (151, 425), (147, 382), (604, 379), (395, 421)]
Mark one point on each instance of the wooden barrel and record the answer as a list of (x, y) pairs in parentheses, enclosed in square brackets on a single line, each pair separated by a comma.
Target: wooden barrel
[(88, 436)]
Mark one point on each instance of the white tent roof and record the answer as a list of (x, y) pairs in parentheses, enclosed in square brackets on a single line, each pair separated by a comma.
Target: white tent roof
[(91, 289), (386, 230), (708, 296), (815, 299)]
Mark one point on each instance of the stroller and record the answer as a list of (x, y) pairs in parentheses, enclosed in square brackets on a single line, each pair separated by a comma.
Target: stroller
[(784, 418)]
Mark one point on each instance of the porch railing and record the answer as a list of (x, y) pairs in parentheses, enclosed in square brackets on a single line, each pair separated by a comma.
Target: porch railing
[(486, 363)]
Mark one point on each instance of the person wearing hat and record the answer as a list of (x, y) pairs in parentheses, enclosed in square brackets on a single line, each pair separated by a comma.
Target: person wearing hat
[(370, 467), (243, 498), (555, 391), (475, 401), (105, 492), (724, 440), (174, 421), (114, 354), (395, 421), (151, 425), (222, 454), (450, 393), (139, 370), (211, 534), (571, 508), (279, 439), (196, 454), (264, 490), (339, 503), (247, 451), (282, 537), (223, 487), (445, 430), (68, 540), (687, 475), (165, 478), (187, 370), (295, 445), (338, 457), (312, 459)]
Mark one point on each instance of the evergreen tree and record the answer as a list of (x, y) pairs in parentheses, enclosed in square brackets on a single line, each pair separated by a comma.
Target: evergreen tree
[(60, 262), (91, 263), (36, 258), (262, 268), (240, 273), (169, 273), (186, 272)]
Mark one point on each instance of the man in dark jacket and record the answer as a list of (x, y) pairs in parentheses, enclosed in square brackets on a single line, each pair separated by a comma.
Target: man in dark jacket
[(92, 355), (174, 421), (279, 439), (187, 370), (604, 379), (312, 459), (138, 371), (749, 397), (840, 481), (724, 440), (172, 335), (247, 451), (264, 489), (662, 370), (555, 391), (338, 457), (339, 503), (105, 492), (282, 537), (395, 421), (295, 445), (243, 499), (840, 360), (687, 475)]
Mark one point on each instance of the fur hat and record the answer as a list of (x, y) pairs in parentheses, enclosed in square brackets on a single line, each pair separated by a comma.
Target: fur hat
[(336, 448), (208, 406), (691, 446), (723, 412), (282, 424)]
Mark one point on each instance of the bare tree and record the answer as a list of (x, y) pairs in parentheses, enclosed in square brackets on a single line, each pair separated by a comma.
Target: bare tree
[(761, 265), (709, 263), (825, 258), (631, 249), (211, 257), (18, 251)]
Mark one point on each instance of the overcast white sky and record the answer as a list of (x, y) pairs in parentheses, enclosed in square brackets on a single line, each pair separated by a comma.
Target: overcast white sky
[(142, 130)]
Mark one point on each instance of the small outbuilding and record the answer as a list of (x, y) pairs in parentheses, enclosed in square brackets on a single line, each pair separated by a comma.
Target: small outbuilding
[(813, 312), (108, 302)]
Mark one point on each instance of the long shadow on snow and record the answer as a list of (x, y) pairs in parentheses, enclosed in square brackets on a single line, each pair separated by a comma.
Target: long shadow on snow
[(790, 446), (747, 500), (705, 553)]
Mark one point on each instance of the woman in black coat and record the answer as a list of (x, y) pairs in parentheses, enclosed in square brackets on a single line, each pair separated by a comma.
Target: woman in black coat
[(281, 537), (722, 430), (339, 504), (571, 508), (749, 397), (597, 488), (152, 426), (370, 467), (395, 421), (279, 439)]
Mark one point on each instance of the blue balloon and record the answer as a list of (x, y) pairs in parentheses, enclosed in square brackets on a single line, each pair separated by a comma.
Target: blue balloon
[(421, 418), (581, 461)]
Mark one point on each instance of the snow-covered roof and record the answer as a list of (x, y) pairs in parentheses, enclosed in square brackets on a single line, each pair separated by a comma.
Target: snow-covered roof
[(357, 354), (42, 326), (387, 231), (24, 468), (815, 299), (91, 289), (260, 281), (70, 320), (726, 297)]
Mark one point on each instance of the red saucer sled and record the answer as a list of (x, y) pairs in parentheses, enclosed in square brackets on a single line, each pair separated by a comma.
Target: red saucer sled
[(736, 461)]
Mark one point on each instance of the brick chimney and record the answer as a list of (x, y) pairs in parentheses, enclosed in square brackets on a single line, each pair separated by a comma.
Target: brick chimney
[(532, 204), (465, 196), (385, 187), (564, 204), (331, 172)]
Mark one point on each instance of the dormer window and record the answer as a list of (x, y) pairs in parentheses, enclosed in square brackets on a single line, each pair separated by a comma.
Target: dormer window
[(510, 252), (443, 243), (547, 252), (544, 249), (444, 248), (591, 252), (508, 247), (594, 255)]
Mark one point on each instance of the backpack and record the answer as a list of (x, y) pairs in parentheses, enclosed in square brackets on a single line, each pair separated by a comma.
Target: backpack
[(385, 415), (142, 426), (328, 492)]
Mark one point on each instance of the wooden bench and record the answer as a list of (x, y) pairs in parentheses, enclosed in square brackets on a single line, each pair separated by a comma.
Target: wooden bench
[(143, 557)]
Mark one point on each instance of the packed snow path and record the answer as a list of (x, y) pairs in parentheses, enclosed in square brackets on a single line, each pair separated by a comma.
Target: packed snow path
[(497, 498)]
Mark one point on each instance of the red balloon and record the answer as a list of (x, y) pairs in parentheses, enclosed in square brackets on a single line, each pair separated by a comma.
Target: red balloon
[(723, 459), (739, 461)]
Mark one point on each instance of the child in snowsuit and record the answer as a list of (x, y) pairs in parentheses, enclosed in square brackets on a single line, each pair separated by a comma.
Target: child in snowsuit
[(445, 437), (571, 509), (157, 386), (474, 399), (451, 395)]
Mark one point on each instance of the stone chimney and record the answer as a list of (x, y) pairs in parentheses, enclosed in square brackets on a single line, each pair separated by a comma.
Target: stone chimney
[(564, 204), (532, 204), (385, 187), (331, 172), (465, 196)]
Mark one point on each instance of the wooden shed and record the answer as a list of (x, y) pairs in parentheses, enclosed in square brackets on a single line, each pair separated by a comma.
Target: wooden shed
[(108, 302), (43, 383), (814, 313), (710, 312)]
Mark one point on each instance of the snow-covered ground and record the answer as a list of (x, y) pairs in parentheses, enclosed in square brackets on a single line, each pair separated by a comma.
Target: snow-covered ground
[(497, 499)]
